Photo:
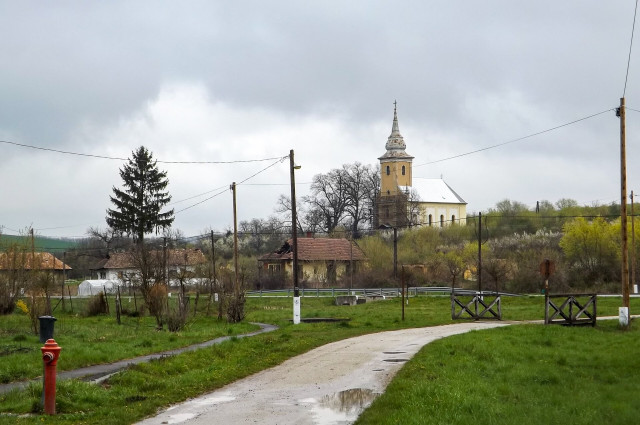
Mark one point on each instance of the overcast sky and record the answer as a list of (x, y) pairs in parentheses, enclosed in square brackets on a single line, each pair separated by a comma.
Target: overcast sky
[(245, 80)]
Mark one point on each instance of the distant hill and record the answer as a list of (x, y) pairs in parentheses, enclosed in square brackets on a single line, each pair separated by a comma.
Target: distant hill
[(41, 243)]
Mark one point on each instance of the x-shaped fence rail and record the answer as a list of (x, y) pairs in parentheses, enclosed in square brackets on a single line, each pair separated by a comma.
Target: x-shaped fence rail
[(572, 311), (481, 306)]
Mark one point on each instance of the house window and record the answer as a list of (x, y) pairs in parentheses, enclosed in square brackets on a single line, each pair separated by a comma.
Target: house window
[(274, 267), (441, 220), (388, 170), (403, 170), (430, 219)]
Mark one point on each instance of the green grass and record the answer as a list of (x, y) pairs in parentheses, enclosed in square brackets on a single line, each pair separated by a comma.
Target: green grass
[(143, 389), (93, 340), (524, 374)]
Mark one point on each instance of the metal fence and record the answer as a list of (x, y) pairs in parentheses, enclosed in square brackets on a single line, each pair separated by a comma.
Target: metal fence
[(367, 292)]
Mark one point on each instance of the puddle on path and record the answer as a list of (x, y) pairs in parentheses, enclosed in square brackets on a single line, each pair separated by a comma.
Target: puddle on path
[(341, 408), (393, 352), (396, 360)]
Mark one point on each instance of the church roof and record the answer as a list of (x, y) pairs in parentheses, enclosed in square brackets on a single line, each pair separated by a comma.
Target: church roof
[(395, 142), (434, 191)]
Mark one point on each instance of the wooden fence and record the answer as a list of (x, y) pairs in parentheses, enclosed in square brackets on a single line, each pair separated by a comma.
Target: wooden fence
[(571, 310)]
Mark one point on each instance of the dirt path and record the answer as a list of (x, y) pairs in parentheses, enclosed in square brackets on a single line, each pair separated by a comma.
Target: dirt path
[(332, 384)]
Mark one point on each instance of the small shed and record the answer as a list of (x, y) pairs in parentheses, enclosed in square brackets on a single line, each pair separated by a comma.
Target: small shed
[(92, 287)]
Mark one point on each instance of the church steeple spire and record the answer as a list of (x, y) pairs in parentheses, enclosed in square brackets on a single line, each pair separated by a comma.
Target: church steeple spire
[(395, 130), (395, 145)]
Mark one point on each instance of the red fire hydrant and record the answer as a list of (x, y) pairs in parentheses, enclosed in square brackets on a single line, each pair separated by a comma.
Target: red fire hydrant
[(50, 354)]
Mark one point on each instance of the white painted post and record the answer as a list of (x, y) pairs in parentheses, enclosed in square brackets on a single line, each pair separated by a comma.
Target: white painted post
[(623, 313), (296, 310)]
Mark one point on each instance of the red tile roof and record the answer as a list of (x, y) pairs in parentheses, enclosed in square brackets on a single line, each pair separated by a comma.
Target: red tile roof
[(318, 249), (43, 261)]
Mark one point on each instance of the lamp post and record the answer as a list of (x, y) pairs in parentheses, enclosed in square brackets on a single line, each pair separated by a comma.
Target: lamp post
[(294, 238)]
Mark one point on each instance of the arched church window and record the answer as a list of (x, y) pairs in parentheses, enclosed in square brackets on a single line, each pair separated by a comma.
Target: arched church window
[(430, 219), (453, 219), (441, 220), (403, 170), (388, 170)]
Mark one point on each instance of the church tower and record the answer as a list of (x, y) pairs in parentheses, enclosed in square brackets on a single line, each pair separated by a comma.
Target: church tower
[(395, 179)]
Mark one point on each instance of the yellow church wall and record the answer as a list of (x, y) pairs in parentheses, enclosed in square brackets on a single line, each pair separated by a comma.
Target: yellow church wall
[(389, 182)]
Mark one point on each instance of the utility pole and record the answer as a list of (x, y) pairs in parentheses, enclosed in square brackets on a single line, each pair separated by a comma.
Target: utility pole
[(480, 253), (294, 239), (213, 263), (351, 263), (165, 266), (624, 311), (294, 225), (235, 240), (64, 275), (395, 252), (633, 247)]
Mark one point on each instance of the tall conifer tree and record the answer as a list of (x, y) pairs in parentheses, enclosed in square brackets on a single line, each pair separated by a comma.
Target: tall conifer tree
[(139, 202)]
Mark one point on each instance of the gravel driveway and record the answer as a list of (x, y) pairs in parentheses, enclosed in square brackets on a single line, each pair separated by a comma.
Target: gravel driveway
[(331, 384)]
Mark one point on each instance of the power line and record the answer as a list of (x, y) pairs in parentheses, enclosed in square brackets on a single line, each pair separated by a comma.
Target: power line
[(633, 27), (126, 159), (279, 159), (197, 196), (518, 139)]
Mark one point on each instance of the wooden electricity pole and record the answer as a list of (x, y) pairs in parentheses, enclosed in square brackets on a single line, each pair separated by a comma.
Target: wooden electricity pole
[(632, 275), (235, 240), (294, 225), (480, 253), (623, 207), (64, 276)]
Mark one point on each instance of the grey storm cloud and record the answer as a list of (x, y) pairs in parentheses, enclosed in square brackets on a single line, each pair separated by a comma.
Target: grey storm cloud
[(96, 78)]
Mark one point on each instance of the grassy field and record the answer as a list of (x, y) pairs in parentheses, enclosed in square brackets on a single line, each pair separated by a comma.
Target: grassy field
[(141, 390), (525, 375), (99, 339)]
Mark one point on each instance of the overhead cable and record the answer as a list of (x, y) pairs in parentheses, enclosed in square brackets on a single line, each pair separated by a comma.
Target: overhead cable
[(126, 159), (518, 139)]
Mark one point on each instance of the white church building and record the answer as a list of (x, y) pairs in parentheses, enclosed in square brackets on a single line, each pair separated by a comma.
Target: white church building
[(404, 201)]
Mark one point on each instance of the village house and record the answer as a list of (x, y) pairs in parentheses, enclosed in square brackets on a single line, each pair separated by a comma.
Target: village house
[(179, 263), (320, 260), (404, 201), (14, 261)]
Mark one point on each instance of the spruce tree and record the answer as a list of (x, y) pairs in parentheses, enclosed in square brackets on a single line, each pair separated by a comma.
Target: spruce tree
[(139, 202)]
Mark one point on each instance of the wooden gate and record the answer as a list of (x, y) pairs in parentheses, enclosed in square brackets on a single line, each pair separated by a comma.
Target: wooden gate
[(479, 305), (575, 310)]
